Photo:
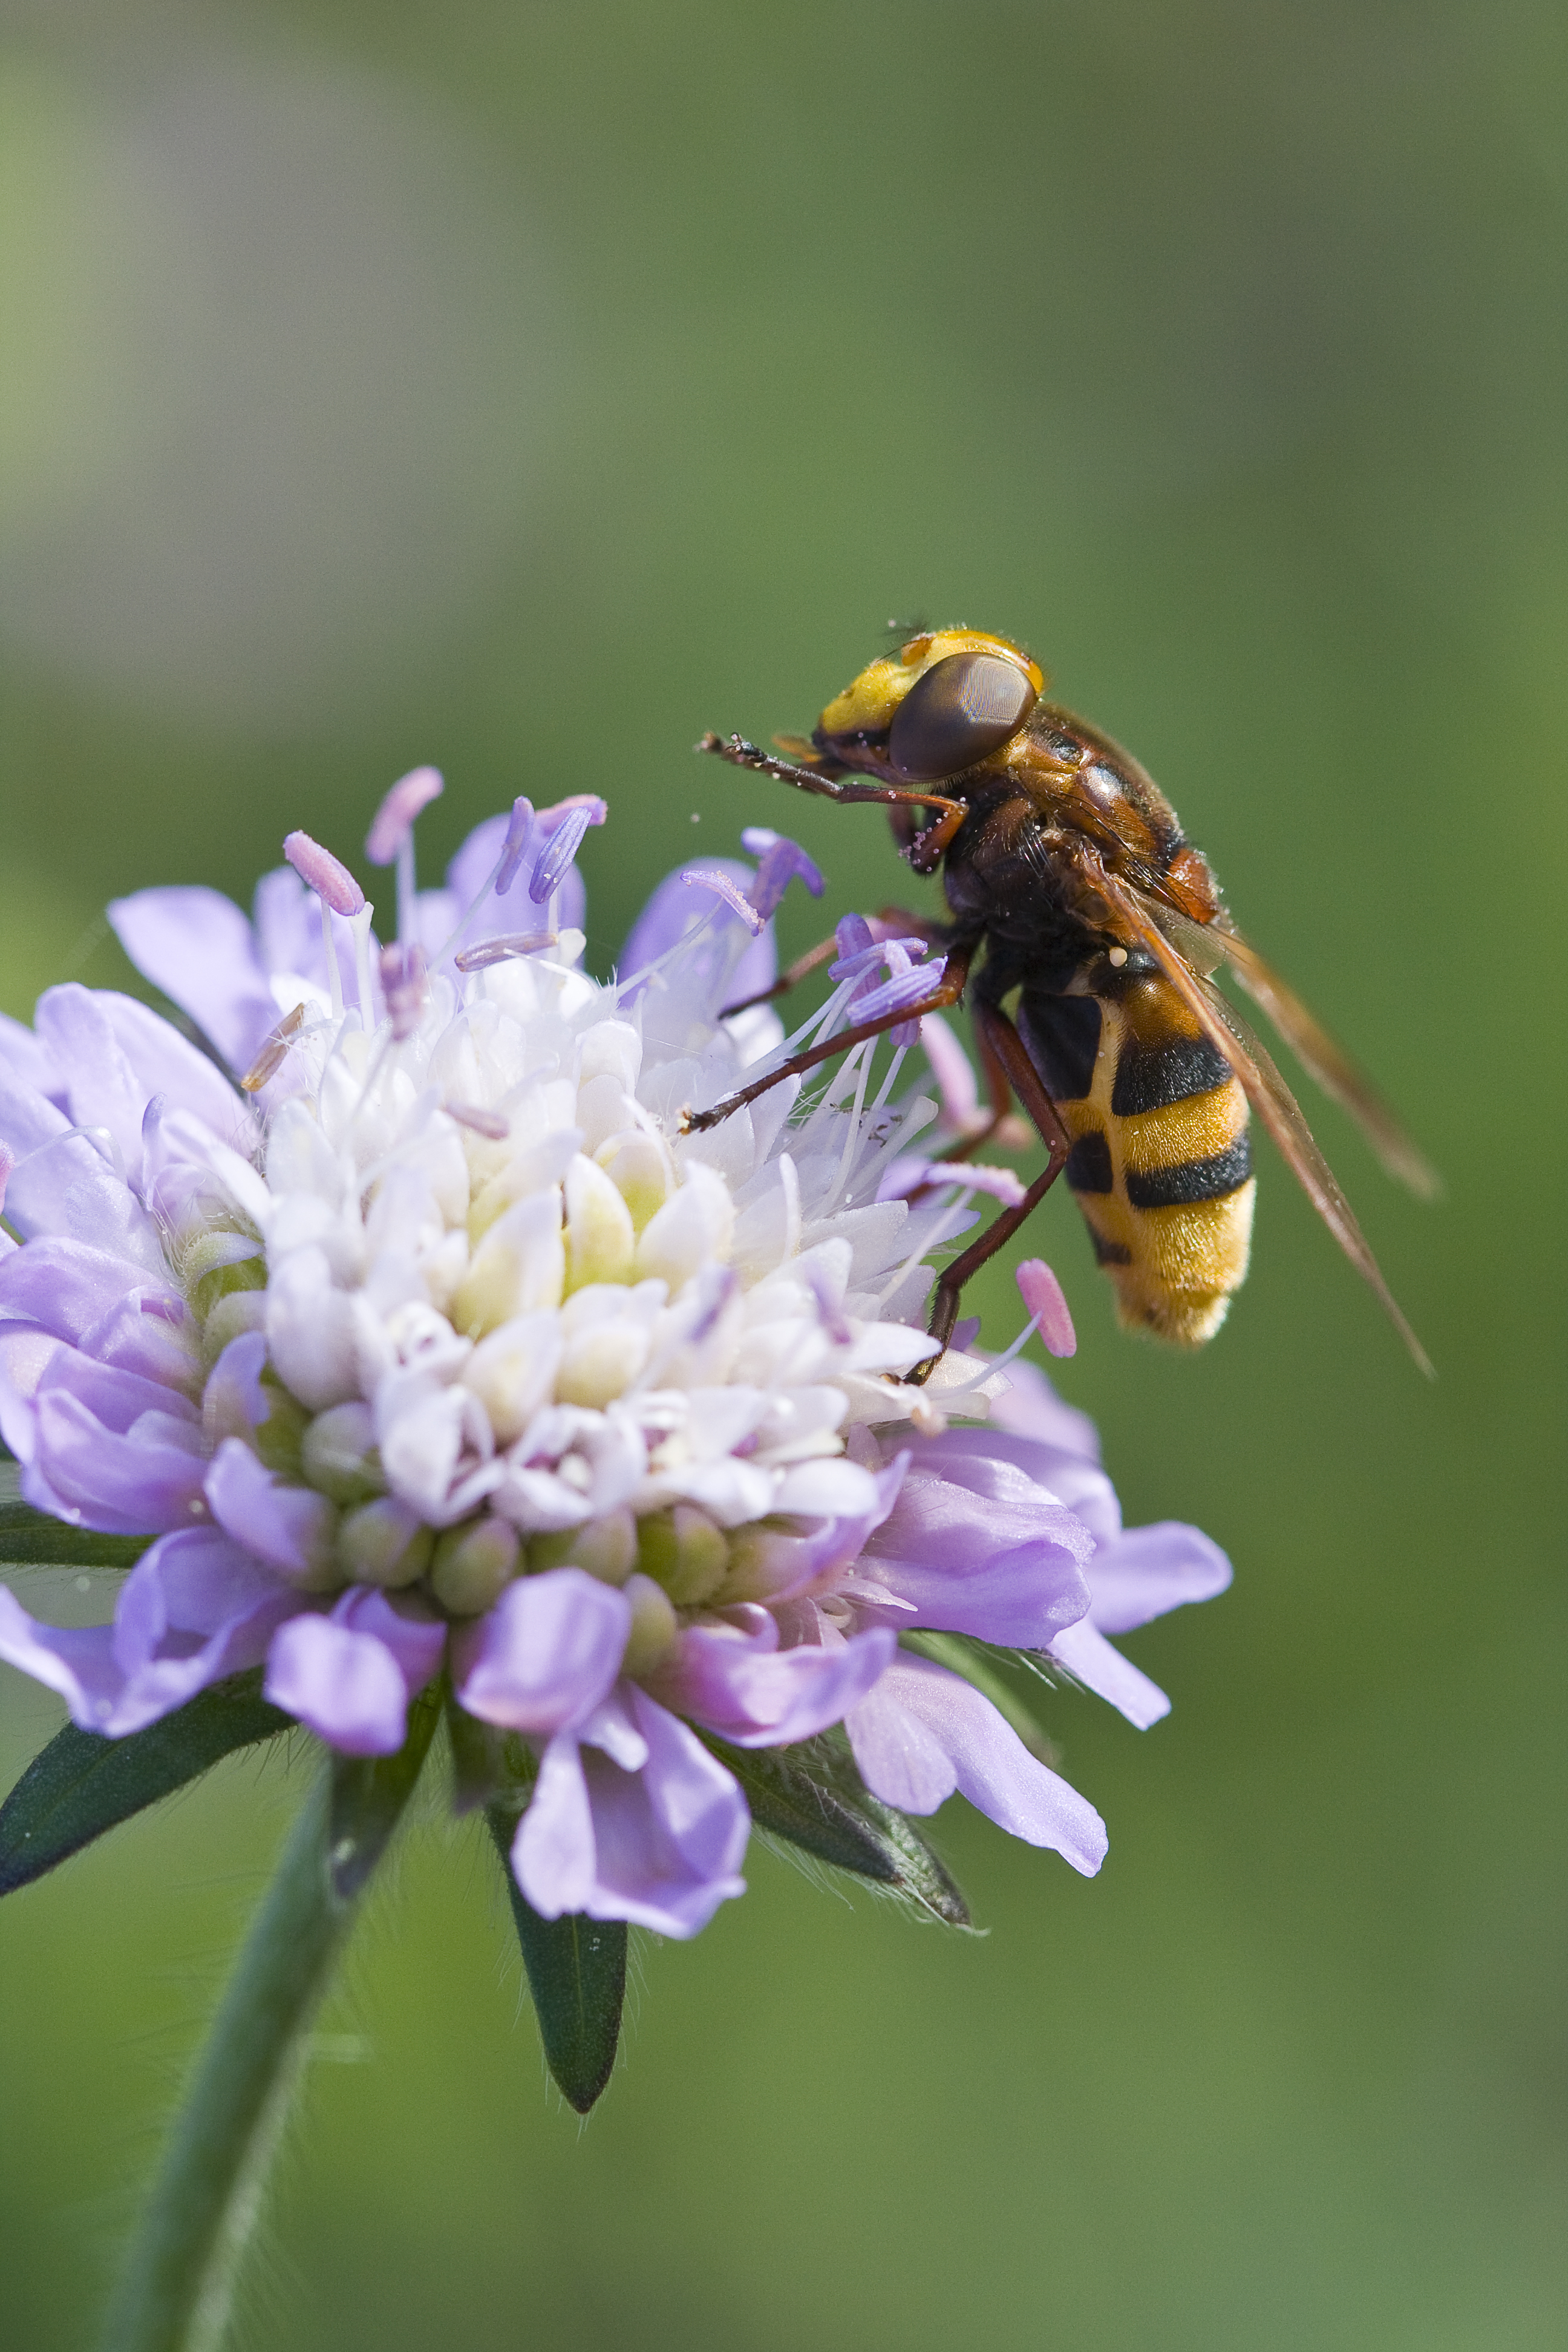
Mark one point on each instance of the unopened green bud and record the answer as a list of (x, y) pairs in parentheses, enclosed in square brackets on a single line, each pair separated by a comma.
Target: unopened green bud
[(339, 1457), (654, 1625), (384, 1543), (606, 1548), (684, 1551), (472, 1566)]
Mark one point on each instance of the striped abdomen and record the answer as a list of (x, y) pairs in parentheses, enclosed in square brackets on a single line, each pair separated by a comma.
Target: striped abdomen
[(1159, 1162)]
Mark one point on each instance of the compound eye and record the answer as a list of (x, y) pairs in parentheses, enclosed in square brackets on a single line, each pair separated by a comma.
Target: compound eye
[(960, 711)]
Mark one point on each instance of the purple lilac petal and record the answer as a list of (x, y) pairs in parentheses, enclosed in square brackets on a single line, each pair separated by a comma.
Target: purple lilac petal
[(973, 1455), (674, 905), (1091, 1660), (350, 1676), (951, 1068), (288, 931), (118, 1452), (62, 1183), (1149, 1570), (343, 1685), (149, 1333), (779, 1568), (547, 1652), (102, 1089), (740, 1683), (660, 1847), (197, 947), (168, 1064), (991, 1765), (900, 1759), (978, 1547), (22, 1055), (192, 1611), (289, 1527), (67, 1287), (1031, 1408)]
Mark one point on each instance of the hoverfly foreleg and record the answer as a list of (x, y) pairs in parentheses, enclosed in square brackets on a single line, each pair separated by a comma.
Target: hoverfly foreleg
[(1006, 1062), (887, 923), (946, 992), (742, 754)]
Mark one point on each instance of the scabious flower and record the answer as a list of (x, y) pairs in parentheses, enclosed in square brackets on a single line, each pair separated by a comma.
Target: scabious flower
[(421, 1340)]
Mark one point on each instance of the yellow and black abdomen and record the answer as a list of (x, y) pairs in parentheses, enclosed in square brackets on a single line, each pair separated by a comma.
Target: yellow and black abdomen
[(1161, 1163)]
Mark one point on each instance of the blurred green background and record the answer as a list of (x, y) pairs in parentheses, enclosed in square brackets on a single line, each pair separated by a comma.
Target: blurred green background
[(527, 388)]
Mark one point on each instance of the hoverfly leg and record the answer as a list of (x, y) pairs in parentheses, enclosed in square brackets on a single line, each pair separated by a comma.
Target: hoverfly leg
[(1007, 1063), (888, 922), (946, 993)]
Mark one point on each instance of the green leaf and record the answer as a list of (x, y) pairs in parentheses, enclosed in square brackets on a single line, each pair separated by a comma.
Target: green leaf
[(82, 1784), (369, 1793), (811, 1796), (30, 1538), (577, 1974)]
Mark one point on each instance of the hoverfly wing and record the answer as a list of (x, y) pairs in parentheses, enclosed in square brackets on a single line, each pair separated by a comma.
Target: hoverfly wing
[(1265, 1090), (1332, 1068)]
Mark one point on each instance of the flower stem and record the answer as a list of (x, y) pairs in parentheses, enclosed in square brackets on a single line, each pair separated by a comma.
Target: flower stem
[(177, 2288)]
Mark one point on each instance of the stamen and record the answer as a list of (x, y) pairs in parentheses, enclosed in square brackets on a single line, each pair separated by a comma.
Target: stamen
[(903, 990), (1042, 1295), (519, 827), (513, 943), (488, 1123), (394, 821), (557, 855), (700, 878), (895, 954), (274, 1051), (323, 873), (781, 862), (403, 984)]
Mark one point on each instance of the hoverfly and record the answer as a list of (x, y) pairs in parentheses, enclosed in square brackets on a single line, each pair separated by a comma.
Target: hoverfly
[(1065, 865)]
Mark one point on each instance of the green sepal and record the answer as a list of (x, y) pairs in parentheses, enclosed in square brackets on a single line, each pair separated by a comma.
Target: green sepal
[(577, 1973), (811, 1796), (30, 1538), (82, 1784), (368, 1797)]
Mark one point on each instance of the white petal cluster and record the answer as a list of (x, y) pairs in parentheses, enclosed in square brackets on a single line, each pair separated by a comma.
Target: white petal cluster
[(503, 1294)]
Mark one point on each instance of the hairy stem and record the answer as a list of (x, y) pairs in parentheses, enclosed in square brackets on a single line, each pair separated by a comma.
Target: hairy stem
[(177, 2287)]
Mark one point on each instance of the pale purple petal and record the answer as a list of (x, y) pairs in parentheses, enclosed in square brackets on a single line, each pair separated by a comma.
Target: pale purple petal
[(900, 1759), (197, 947), (118, 1452), (675, 906), (743, 1684), (62, 1183), (290, 1527), (343, 1687), (1091, 1660), (660, 1847), (1031, 1408), (66, 1286), (168, 1064), (1149, 1570), (992, 1765), (775, 1567), (1075, 1479), (350, 1676), (547, 1652), (978, 1547), (103, 1089), (151, 1334), (22, 1056), (192, 1610)]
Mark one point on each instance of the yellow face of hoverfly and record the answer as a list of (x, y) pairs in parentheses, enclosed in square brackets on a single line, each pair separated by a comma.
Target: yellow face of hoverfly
[(946, 699)]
